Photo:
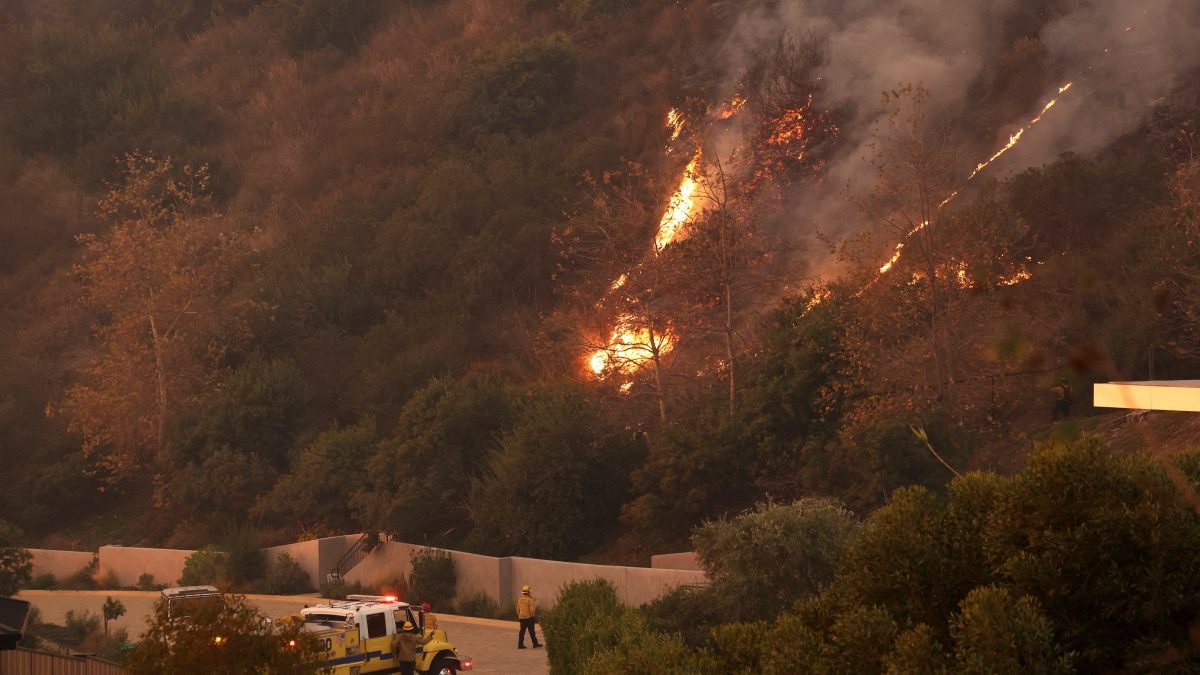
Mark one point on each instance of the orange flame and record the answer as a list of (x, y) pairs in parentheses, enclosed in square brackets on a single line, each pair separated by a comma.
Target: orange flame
[(680, 208), (731, 108), (629, 346), (1012, 142), (1013, 139), (675, 123)]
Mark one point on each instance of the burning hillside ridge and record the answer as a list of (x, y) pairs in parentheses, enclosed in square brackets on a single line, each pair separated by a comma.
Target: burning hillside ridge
[(732, 160), (801, 95)]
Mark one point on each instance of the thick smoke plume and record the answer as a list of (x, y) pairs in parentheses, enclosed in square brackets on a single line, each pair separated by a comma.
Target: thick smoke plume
[(1123, 55)]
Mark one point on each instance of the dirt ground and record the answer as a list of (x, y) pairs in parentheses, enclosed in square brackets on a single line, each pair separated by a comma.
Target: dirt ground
[(491, 644)]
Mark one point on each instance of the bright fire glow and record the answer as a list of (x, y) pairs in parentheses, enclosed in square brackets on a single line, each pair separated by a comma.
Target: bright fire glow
[(735, 104), (1012, 141), (675, 123), (680, 208), (629, 346)]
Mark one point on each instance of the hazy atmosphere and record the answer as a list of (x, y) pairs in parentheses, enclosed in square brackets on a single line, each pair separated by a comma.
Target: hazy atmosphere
[(817, 291)]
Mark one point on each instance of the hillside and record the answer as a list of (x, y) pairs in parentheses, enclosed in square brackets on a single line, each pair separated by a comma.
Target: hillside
[(565, 279)]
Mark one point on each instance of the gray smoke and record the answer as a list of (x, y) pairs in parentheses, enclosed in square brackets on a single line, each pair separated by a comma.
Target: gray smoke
[(945, 45)]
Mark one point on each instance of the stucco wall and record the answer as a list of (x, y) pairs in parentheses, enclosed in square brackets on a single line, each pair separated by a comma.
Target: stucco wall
[(61, 564), (635, 585), (393, 559), (127, 563), (500, 578), (316, 557), (676, 561)]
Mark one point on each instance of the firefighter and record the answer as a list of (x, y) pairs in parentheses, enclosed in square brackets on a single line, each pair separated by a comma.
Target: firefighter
[(527, 614), (404, 648), (431, 622), (1062, 400)]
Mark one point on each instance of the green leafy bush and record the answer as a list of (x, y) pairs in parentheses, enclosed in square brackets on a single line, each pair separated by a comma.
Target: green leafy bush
[(205, 566), (245, 562), (286, 577), (16, 563), (587, 619), (774, 555), (434, 578)]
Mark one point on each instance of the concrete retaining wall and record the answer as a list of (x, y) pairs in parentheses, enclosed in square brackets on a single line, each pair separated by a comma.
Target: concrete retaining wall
[(316, 557), (127, 563), (502, 578), (61, 564), (499, 578)]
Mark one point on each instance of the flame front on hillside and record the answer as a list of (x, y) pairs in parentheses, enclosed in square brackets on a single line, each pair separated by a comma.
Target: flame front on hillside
[(1012, 142)]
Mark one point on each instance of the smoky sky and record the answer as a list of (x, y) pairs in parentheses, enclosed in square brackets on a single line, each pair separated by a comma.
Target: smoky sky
[(945, 46)]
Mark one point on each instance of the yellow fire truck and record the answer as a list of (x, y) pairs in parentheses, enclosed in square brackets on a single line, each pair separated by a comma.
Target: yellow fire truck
[(356, 635)]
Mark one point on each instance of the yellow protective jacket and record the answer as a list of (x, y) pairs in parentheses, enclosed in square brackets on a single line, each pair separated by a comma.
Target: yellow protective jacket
[(404, 646), (526, 607)]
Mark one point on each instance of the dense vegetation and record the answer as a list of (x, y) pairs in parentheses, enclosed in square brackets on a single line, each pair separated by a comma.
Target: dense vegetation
[(1081, 562), (315, 266)]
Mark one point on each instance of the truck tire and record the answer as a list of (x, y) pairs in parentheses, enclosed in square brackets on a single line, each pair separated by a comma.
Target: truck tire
[(444, 666)]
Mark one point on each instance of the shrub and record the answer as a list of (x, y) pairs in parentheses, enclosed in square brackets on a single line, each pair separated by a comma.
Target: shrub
[(82, 580), (644, 652), (16, 564), (433, 577), (692, 611), (776, 554), (81, 625), (339, 589), (43, 581), (286, 577), (313, 24), (145, 582), (205, 566), (478, 604), (250, 645), (997, 633), (244, 560), (109, 646), (586, 620), (108, 581)]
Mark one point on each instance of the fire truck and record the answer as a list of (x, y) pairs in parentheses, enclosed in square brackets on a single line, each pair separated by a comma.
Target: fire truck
[(356, 635)]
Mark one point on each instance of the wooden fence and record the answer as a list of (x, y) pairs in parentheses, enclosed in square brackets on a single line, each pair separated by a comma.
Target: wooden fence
[(21, 661)]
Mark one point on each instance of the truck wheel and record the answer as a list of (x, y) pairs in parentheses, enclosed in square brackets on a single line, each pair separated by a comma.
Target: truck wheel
[(442, 666)]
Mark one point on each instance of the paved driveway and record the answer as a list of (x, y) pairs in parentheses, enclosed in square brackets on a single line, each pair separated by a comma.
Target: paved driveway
[(492, 644)]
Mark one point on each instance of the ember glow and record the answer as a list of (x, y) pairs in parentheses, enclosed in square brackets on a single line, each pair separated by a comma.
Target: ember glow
[(731, 108)]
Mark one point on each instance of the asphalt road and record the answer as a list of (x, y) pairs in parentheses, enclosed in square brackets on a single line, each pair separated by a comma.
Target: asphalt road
[(491, 644)]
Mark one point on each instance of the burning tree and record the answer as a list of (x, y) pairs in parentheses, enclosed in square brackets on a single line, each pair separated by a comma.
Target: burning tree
[(617, 312)]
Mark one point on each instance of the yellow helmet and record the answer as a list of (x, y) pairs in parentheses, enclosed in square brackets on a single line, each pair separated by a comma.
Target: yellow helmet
[(525, 589), (408, 625)]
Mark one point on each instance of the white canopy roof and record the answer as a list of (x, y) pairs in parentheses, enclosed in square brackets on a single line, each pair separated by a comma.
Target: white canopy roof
[(1180, 395)]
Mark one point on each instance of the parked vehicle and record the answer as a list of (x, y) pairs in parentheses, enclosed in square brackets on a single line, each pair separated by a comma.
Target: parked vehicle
[(356, 635)]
